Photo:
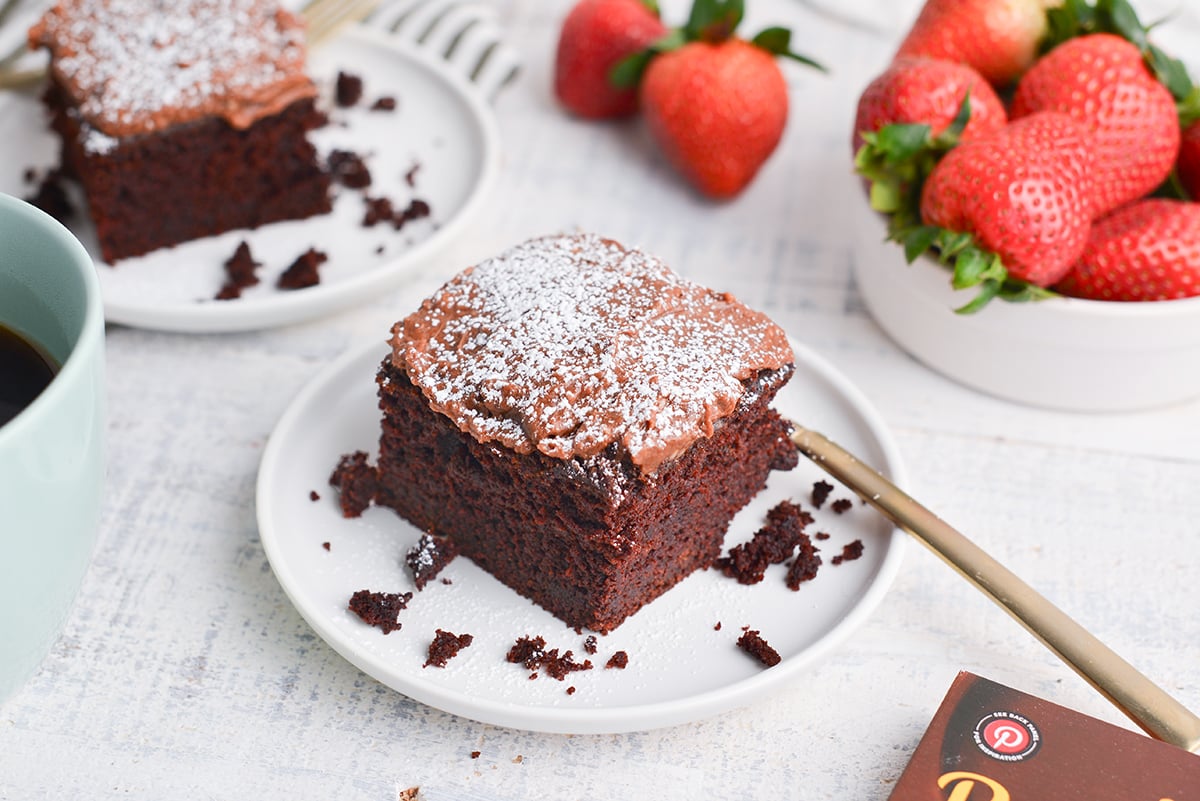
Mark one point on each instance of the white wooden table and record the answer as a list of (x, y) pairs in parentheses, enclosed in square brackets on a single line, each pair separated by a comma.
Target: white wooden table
[(184, 672)]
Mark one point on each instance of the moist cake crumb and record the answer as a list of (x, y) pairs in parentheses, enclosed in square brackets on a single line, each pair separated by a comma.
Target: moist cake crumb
[(313, 496), (571, 690), (303, 273), (752, 643), (850, 552), (427, 558), (379, 209), (356, 482), (618, 661), (772, 544), (348, 89), (822, 535), (240, 272), (589, 645), (416, 209), (804, 567), (445, 646), (326, 545), (531, 652), (820, 491), (50, 196), (476, 754), (385, 103), (349, 169), (717, 627), (380, 609), (410, 177), (842, 505)]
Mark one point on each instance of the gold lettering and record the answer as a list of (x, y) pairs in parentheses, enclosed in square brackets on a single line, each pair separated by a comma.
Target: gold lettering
[(964, 783)]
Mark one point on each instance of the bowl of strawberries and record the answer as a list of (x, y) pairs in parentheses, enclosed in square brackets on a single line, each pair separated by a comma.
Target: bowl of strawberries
[(1030, 225)]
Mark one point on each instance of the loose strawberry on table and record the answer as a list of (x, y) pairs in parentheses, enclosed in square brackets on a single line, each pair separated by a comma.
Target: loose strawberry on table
[(717, 104), (1148, 250), (596, 35)]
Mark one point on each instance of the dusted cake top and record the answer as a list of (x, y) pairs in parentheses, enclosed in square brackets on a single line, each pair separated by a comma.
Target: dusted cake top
[(138, 66), (570, 344)]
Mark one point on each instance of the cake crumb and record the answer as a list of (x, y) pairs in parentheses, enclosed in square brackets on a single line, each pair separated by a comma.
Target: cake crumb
[(618, 661), (589, 645), (416, 210), (427, 558), (313, 496), (410, 177), (326, 545), (241, 271), (752, 643), (822, 535), (356, 481), (850, 552), (51, 197), (348, 89), (820, 492), (571, 690), (384, 103), (518, 759), (445, 646), (379, 209), (349, 169), (804, 567), (717, 627), (303, 272), (772, 544), (380, 609), (842, 505), (531, 652), (476, 754)]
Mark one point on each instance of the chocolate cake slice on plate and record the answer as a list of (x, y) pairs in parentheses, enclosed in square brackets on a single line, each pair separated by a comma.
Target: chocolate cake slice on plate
[(581, 422)]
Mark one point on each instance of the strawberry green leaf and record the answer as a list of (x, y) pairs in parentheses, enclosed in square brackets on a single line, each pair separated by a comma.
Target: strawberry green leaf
[(988, 290), (778, 41), (714, 20), (627, 73), (652, 7), (919, 239)]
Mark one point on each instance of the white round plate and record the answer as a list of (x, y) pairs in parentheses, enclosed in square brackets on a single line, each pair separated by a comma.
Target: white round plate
[(441, 125), (681, 667)]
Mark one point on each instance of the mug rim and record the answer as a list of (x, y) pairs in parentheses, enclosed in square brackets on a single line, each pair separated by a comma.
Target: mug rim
[(91, 328)]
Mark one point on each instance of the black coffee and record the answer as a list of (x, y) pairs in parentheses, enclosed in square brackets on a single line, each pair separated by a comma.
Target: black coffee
[(25, 370)]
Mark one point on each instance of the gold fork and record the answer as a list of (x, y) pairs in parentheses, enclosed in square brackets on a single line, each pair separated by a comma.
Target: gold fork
[(324, 18)]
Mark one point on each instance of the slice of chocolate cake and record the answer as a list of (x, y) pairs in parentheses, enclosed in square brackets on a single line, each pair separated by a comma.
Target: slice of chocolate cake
[(581, 422), (182, 119)]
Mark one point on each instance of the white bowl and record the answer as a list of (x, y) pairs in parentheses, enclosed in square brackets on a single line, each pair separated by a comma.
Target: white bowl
[(1062, 353)]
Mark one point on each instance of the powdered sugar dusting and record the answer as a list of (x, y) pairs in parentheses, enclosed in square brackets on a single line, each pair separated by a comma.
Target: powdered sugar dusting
[(570, 344), (134, 66)]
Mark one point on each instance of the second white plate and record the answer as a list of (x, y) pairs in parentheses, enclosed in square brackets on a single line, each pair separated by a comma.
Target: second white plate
[(442, 137), (681, 666)]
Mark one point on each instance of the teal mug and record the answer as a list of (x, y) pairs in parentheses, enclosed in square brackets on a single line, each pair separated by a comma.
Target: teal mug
[(52, 451)]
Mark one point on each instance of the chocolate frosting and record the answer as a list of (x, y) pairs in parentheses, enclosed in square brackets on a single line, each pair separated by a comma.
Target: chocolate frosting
[(570, 344), (138, 66)]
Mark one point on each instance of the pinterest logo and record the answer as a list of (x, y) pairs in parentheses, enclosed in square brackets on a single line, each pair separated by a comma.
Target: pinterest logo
[(1007, 736)]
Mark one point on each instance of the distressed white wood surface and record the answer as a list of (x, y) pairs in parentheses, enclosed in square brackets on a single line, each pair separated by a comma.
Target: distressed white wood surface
[(184, 673)]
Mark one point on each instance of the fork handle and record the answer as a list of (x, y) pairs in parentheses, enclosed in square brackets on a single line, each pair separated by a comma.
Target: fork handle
[(1132, 692)]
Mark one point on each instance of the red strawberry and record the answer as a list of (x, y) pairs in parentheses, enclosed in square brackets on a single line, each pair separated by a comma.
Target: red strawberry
[(717, 110), (597, 34), (1024, 192), (1188, 163), (1148, 250), (1102, 81), (928, 91), (998, 38)]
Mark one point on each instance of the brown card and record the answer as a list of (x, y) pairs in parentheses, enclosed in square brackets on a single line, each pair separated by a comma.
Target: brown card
[(989, 742)]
